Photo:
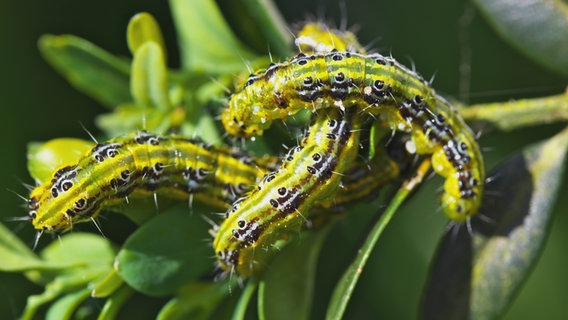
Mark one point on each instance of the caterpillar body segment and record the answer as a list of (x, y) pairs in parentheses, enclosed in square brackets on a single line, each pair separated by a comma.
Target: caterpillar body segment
[(279, 206)]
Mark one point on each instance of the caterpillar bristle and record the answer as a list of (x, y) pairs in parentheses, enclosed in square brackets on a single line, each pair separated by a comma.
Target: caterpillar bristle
[(38, 235), (98, 227), (20, 218)]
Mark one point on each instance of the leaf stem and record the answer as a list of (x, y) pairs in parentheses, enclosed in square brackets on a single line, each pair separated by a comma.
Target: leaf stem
[(346, 284), (511, 115), (241, 308)]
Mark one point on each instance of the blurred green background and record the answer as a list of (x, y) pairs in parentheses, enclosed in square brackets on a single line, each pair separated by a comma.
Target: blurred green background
[(38, 105)]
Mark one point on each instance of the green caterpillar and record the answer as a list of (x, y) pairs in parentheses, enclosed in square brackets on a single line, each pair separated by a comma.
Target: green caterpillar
[(140, 164), (400, 98), (311, 172), (125, 166)]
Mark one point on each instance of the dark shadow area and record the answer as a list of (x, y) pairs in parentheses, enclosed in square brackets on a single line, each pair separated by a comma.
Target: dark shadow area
[(505, 205)]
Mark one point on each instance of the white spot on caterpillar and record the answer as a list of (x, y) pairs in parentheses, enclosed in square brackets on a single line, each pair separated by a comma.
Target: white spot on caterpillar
[(410, 146), (339, 103)]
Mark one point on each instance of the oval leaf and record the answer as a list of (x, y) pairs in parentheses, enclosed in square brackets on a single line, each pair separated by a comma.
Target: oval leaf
[(197, 301), (262, 24), (70, 281), (129, 118), (65, 307), (149, 83), (477, 277), (207, 44), (141, 29), (166, 253), (45, 158), (71, 250), (88, 68), (16, 255), (108, 285), (539, 28), (115, 302)]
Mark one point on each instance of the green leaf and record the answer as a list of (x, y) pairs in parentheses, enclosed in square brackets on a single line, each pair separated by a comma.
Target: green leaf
[(195, 301), (288, 285), (69, 254), (71, 281), (149, 82), (16, 255), (207, 44), (65, 307), (129, 118), (80, 249), (143, 28), (108, 285), (166, 253), (115, 302), (262, 24), (538, 28), (70, 264), (205, 128), (478, 276), (88, 68), (45, 158), (240, 310)]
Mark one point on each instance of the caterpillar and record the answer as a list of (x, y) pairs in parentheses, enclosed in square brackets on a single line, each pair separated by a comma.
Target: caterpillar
[(316, 37), (140, 164), (389, 91), (218, 175), (245, 240)]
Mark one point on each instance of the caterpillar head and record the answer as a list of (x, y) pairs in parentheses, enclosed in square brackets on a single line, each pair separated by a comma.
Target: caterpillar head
[(459, 209), (55, 206), (242, 121), (241, 261), (317, 37)]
